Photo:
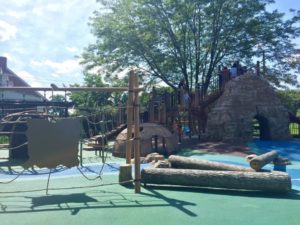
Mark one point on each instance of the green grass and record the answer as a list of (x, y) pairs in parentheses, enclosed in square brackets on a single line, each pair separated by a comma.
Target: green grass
[(294, 127), (4, 140)]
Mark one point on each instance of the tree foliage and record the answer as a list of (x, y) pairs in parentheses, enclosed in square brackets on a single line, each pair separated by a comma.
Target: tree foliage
[(291, 100), (90, 99), (172, 40)]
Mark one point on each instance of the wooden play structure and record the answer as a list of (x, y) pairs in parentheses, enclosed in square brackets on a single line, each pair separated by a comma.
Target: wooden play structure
[(133, 122), (179, 114)]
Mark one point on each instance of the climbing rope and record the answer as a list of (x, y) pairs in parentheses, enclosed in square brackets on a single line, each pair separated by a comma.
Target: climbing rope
[(16, 147)]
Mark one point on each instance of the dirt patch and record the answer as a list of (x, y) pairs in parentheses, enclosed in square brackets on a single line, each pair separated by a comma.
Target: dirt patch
[(217, 147)]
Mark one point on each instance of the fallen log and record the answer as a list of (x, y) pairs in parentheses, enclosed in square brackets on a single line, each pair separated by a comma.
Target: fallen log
[(260, 161), (201, 164), (262, 181)]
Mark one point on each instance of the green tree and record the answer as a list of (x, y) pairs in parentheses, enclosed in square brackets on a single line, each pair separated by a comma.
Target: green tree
[(91, 99), (291, 100), (172, 40), (58, 98)]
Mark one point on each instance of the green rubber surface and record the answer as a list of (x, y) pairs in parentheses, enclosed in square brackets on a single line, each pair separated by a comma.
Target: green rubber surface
[(73, 200)]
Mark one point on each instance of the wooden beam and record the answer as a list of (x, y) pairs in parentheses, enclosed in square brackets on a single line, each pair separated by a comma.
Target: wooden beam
[(72, 89)]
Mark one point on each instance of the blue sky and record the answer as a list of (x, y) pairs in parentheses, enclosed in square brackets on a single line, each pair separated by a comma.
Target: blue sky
[(41, 38)]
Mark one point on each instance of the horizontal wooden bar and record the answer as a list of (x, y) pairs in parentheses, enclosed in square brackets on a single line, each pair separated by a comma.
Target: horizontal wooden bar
[(72, 89)]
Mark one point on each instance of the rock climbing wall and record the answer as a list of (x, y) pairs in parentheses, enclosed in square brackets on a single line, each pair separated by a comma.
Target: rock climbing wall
[(245, 98)]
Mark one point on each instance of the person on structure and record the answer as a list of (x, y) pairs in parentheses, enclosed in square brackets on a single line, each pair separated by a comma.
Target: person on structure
[(233, 71)]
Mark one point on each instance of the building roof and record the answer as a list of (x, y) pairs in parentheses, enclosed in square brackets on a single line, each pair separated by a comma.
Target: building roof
[(15, 79)]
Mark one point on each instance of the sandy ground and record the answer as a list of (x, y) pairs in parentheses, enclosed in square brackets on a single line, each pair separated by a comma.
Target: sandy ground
[(216, 147)]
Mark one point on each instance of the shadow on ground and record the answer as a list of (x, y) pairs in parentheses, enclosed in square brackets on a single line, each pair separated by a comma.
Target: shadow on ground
[(98, 200)]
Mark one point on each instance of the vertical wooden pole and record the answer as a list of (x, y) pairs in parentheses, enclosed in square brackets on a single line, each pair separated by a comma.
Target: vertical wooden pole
[(119, 114), (137, 145), (159, 113), (164, 114), (264, 63), (257, 68), (129, 118), (182, 98), (151, 111), (197, 94)]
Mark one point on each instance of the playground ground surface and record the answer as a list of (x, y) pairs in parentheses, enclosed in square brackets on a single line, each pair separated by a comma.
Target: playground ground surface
[(72, 199)]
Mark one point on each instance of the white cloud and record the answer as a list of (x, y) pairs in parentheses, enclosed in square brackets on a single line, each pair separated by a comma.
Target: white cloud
[(29, 78), (66, 67), (51, 7), (8, 56), (7, 31), (21, 3), (72, 49), (14, 14)]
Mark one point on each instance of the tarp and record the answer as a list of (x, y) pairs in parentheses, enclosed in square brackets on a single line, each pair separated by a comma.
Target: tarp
[(53, 143)]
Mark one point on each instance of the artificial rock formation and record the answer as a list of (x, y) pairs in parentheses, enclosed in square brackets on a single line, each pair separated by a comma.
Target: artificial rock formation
[(245, 98), (154, 138)]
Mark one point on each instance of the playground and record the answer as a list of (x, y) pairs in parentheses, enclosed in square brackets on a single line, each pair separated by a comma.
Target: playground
[(92, 170), (73, 199)]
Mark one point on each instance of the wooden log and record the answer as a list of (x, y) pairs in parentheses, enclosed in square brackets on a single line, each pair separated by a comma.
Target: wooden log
[(261, 181), (201, 164), (260, 161)]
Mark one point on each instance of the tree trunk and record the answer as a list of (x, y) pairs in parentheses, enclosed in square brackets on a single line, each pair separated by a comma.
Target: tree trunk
[(262, 181), (259, 161), (201, 164)]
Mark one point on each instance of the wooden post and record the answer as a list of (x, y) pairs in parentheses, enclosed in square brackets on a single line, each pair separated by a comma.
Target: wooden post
[(119, 114), (197, 95), (163, 114), (257, 68), (151, 111), (159, 112), (264, 63), (137, 146), (181, 98), (129, 118), (155, 143), (125, 175)]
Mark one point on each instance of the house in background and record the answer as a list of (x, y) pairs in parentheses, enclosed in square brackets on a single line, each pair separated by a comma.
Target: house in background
[(9, 79), (18, 101)]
